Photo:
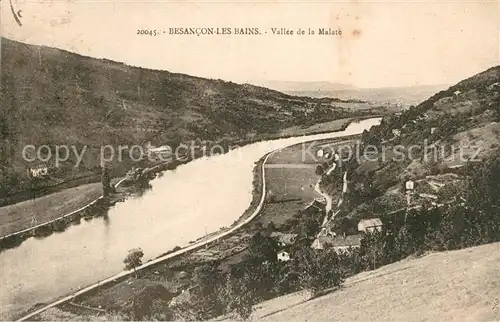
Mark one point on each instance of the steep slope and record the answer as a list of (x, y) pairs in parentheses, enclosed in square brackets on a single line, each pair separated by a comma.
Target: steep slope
[(54, 97), (461, 285), (430, 144)]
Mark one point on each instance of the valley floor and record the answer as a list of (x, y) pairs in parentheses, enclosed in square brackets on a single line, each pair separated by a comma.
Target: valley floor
[(29, 213), (462, 285)]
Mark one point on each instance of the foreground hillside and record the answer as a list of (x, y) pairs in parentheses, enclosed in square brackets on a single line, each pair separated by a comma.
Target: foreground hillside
[(54, 97), (461, 285)]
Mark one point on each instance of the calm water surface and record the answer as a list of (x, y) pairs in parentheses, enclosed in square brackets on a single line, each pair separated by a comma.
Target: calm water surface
[(184, 204)]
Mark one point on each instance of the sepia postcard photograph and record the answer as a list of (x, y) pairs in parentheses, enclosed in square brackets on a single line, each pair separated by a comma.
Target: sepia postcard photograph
[(214, 160)]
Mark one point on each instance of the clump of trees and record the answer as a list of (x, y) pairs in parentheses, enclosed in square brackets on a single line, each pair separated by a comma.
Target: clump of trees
[(260, 276), (133, 259)]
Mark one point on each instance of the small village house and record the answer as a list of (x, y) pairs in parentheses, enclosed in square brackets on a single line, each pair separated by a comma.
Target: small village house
[(38, 171), (396, 132), (284, 239), (370, 225), (283, 256), (338, 243), (162, 152), (410, 185)]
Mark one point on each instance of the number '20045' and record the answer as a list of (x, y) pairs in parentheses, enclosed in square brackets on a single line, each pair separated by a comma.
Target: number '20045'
[(147, 32)]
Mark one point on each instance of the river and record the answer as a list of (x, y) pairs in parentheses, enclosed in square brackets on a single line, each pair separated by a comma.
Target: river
[(184, 204)]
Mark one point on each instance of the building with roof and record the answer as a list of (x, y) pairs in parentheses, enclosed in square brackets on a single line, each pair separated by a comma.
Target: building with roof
[(283, 256), (284, 239), (409, 185), (370, 225), (338, 243), (396, 132), (37, 171)]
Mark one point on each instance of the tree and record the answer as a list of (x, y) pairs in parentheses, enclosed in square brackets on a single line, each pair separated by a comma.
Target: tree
[(317, 271), (270, 197), (271, 227), (319, 170), (207, 279), (262, 248), (133, 259), (106, 181), (237, 295)]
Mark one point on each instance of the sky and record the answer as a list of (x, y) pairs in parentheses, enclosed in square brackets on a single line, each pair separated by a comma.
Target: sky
[(382, 44)]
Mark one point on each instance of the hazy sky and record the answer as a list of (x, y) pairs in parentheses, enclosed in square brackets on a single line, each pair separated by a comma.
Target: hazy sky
[(383, 43)]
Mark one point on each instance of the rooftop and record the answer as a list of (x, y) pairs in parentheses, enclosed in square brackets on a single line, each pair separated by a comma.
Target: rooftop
[(340, 241)]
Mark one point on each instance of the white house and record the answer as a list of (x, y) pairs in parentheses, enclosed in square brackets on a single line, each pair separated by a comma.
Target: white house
[(284, 239), (410, 185), (320, 153), (38, 171), (396, 132), (370, 225), (338, 243), (283, 256), (456, 93), (163, 151), (433, 129)]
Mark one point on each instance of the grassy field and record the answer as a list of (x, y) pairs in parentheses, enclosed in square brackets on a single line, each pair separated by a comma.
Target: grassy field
[(335, 125), (19, 216), (296, 154), (460, 285), (291, 177), (292, 188)]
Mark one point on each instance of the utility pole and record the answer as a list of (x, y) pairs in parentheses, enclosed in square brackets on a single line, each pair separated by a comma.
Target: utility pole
[(33, 176), (373, 258), (409, 185)]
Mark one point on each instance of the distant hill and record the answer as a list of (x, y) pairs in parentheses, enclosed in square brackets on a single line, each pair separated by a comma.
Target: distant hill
[(291, 86), (55, 97), (406, 96)]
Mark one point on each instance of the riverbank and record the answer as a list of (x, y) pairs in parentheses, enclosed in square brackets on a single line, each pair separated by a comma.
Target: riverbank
[(93, 177), (227, 249), (121, 277), (24, 215), (54, 213), (210, 177)]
